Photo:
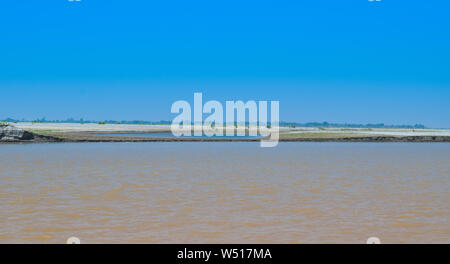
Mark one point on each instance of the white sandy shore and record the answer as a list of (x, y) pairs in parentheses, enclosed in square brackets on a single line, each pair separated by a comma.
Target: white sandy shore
[(410, 133), (381, 132), (94, 127), (75, 127)]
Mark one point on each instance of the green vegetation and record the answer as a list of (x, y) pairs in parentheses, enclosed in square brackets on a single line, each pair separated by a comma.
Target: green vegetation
[(318, 135), (44, 132), (101, 123)]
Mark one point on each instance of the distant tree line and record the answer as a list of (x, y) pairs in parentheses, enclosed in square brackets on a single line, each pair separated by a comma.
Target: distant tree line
[(82, 121), (165, 122)]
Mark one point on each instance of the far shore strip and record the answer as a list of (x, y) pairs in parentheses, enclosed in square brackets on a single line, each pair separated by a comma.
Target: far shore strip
[(287, 131)]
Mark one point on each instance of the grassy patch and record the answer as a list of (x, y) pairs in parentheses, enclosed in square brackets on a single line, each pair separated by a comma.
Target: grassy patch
[(44, 132), (323, 135)]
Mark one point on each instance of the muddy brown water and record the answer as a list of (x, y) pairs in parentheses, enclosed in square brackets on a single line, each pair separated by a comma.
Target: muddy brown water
[(187, 192)]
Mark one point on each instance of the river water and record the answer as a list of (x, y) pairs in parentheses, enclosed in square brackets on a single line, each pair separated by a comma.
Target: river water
[(231, 192)]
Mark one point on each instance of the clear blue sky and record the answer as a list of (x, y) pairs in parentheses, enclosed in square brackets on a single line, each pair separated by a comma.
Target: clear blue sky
[(337, 61)]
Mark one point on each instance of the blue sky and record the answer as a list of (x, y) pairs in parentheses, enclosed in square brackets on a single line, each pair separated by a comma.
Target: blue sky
[(337, 61)]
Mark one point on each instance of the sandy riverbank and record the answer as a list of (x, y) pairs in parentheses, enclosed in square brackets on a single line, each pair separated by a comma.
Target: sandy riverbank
[(70, 132)]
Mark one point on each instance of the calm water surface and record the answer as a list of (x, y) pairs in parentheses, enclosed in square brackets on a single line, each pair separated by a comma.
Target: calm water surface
[(225, 192)]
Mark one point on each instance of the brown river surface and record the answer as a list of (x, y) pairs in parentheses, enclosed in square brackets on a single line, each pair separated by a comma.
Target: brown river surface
[(225, 192)]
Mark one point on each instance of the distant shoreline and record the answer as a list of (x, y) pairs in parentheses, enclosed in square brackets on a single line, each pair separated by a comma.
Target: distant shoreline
[(166, 122), (59, 133), (71, 139)]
